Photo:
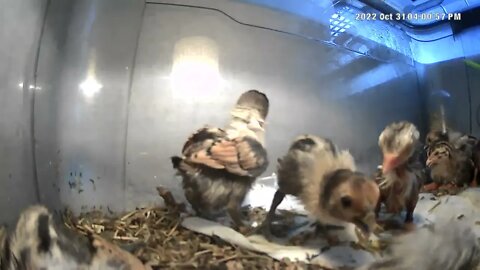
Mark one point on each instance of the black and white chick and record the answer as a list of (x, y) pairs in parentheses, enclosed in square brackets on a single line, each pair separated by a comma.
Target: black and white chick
[(38, 242), (219, 166), (400, 182), (447, 245), (326, 182)]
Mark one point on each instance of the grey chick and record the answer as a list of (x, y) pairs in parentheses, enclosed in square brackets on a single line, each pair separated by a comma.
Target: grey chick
[(400, 184), (38, 242), (448, 246), (326, 182), (219, 166)]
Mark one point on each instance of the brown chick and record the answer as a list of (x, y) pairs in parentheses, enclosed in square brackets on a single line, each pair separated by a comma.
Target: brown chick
[(400, 186), (219, 166), (39, 243), (453, 161), (326, 182)]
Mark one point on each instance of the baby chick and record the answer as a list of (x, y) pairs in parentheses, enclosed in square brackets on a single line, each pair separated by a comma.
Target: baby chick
[(448, 245), (39, 243), (326, 182), (219, 166), (400, 186), (452, 159)]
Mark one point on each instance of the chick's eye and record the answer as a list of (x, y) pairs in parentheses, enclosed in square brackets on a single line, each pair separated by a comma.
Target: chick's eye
[(346, 201)]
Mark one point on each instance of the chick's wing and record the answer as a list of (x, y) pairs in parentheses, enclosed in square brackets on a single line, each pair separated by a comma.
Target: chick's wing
[(242, 156), (202, 138)]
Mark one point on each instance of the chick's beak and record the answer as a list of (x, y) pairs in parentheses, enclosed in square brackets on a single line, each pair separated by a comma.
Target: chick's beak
[(390, 162), (431, 160), (366, 223)]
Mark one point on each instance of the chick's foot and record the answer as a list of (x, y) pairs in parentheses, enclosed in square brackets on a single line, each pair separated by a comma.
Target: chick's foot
[(409, 226), (430, 187)]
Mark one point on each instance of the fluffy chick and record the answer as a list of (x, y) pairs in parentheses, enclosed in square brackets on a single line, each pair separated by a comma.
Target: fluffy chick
[(453, 159), (448, 245), (400, 184), (39, 243), (326, 182), (219, 166)]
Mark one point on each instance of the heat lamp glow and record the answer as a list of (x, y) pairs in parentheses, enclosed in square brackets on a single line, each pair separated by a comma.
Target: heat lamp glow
[(90, 87), (195, 72)]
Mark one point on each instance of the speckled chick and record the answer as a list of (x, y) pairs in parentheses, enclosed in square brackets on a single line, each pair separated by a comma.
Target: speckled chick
[(219, 166), (453, 159), (325, 180)]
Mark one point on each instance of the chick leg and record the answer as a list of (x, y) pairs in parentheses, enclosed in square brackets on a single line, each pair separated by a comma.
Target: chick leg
[(409, 214), (233, 209), (431, 187), (378, 207), (410, 204), (474, 182), (266, 228)]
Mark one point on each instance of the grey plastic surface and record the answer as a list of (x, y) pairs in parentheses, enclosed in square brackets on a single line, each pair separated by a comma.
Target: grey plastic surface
[(19, 41)]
